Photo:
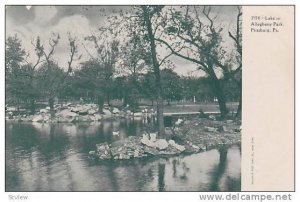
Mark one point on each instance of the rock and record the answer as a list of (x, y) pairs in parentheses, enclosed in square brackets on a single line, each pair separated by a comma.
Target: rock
[(226, 129), (146, 141), (92, 153), (84, 118), (117, 133), (115, 151), (153, 137), (116, 111), (66, 116), (238, 129), (136, 153), (74, 109), (106, 112), (161, 144), (195, 147), (11, 109), (97, 117), (66, 113), (124, 156), (38, 118), (83, 111), (229, 121), (211, 129), (151, 151), (27, 118), (212, 117), (44, 110), (46, 118), (178, 122), (177, 146), (168, 132), (92, 112), (67, 104), (103, 151)]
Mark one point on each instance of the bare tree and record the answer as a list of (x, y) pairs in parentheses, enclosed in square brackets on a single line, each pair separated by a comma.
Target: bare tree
[(57, 81), (192, 34), (236, 73)]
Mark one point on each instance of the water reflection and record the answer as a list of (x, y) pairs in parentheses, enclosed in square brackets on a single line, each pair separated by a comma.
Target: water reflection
[(54, 157)]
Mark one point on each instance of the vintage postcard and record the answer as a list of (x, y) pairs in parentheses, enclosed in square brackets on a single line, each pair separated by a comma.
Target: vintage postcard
[(159, 98)]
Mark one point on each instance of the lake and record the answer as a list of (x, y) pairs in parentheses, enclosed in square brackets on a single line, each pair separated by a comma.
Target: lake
[(54, 157)]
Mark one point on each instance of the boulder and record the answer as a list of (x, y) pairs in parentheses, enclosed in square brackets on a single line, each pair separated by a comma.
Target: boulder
[(97, 117), (27, 118), (84, 118), (124, 156), (136, 154), (103, 151), (178, 122), (168, 132), (44, 110), (106, 112), (145, 140), (38, 118), (151, 151), (153, 137), (11, 109), (195, 147), (161, 144), (66, 116), (74, 109), (212, 117), (83, 110), (46, 118), (67, 104), (116, 111), (116, 133), (66, 113), (229, 121), (92, 111), (211, 129), (177, 146)]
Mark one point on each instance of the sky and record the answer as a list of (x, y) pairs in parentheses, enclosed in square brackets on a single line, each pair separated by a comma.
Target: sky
[(28, 22)]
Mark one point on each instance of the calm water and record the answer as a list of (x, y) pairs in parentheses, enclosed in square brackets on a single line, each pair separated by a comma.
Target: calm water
[(54, 157)]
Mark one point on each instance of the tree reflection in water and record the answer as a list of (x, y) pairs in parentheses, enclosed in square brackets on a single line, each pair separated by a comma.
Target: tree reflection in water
[(161, 177), (219, 170)]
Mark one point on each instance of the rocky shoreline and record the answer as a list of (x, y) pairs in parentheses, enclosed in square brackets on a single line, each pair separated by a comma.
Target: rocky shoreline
[(188, 137), (72, 113)]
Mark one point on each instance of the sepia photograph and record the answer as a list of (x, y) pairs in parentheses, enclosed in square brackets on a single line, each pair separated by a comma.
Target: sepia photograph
[(123, 98)]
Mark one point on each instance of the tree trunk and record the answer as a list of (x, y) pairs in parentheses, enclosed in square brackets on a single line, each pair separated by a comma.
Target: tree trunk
[(160, 117), (221, 97), (51, 105), (100, 104), (239, 109), (161, 177), (32, 106), (160, 104), (222, 104)]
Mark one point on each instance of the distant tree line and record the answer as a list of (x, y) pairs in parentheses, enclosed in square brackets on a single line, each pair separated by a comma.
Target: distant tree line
[(92, 82)]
